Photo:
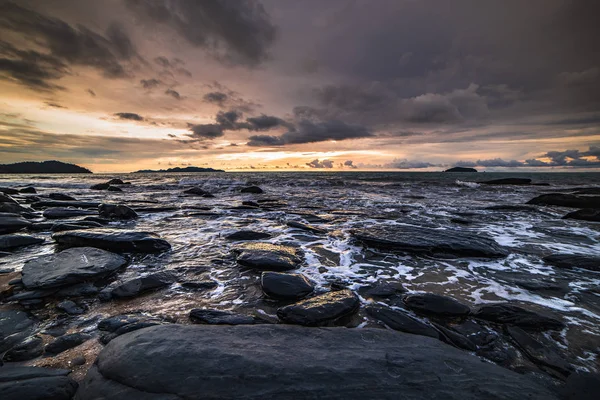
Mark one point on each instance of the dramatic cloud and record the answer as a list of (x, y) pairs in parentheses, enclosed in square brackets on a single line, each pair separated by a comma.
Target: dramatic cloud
[(311, 132), (173, 94), (320, 164), (130, 116), (206, 131), (217, 98), (267, 122)]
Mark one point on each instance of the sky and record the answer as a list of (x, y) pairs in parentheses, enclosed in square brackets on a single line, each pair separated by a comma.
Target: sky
[(420, 85)]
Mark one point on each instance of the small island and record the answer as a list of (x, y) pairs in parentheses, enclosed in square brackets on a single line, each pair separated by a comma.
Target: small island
[(461, 169), (178, 169), (45, 167)]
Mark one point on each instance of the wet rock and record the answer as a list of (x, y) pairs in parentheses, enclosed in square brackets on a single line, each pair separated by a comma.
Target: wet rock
[(13, 224), (74, 226), (282, 361), (566, 200), (120, 324), (116, 211), (218, 317), (381, 289), (79, 360), (35, 383), (14, 327), (581, 386), (250, 203), (268, 257), (196, 191), (537, 352), (28, 189), (248, 235), (115, 240), (568, 261), (435, 242), (78, 290), (4, 198), (61, 196), (510, 314), (6, 190), (429, 303), (320, 309), (283, 286), (66, 342), (100, 186), (115, 181), (461, 169), (14, 208), (512, 208), (30, 295), (507, 181), (70, 307), (200, 285), (30, 348), (305, 227), (454, 338), (461, 221), (69, 267), (587, 214), (400, 321), (57, 213), (64, 204), (252, 189), (101, 221), (137, 286), (114, 189), (16, 240)]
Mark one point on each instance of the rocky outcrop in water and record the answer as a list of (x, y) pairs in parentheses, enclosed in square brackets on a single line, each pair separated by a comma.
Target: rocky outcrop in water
[(58, 213), (35, 383), (12, 223), (566, 200), (248, 235), (8, 242), (510, 314), (507, 181), (252, 189), (268, 257), (430, 303), (461, 169), (537, 352), (401, 321), (116, 211), (113, 240), (284, 286), (568, 261), (587, 214), (321, 309), (143, 284)]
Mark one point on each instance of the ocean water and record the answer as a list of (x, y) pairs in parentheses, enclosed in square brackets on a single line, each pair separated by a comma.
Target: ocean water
[(338, 202)]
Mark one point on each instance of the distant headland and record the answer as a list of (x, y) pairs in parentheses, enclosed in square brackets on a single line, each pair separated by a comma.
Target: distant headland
[(461, 169), (177, 169), (44, 167)]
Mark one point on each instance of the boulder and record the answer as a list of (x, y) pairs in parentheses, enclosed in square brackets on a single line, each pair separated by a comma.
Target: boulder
[(58, 213), (142, 284), (100, 186), (196, 191), (113, 240), (116, 211), (15, 240), (537, 352), (28, 189), (13, 224), (35, 383), (381, 289), (461, 169), (566, 200), (218, 317), (505, 313), (401, 321), (587, 214), (454, 338), (70, 267), (569, 261), (321, 309), (66, 342), (6, 190), (428, 241), (73, 226), (283, 286), (115, 181), (70, 307), (14, 209), (114, 189), (61, 196), (507, 181), (290, 362), (252, 189), (248, 235), (434, 304), (268, 257)]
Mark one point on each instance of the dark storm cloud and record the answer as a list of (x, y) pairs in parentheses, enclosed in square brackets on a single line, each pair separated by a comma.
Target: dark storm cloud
[(320, 164), (130, 116), (567, 158), (235, 33), (266, 123), (229, 120), (205, 131), (217, 98), (173, 94), (150, 83), (312, 132)]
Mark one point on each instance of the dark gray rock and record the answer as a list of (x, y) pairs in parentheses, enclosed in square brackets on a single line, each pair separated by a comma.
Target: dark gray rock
[(537, 352), (14, 327), (507, 181), (13, 224), (381, 289), (101, 221), (321, 309), (200, 285), (252, 189), (283, 286), (69, 267), (510, 314), (114, 240), (140, 285), (61, 197), (115, 181), (401, 321), (66, 342), (14, 208), (5, 198), (30, 295), (304, 227), (6, 190), (196, 191), (568, 261), (30, 348), (114, 189), (64, 204), (70, 307), (248, 235), (288, 362), (435, 242), (116, 211), (268, 257), (566, 200), (512, 208), (79, 360), (587, 214), (251, 203), (28, 189), (58, 213), (434, 304), (218, 317), (78, 290), (581, 386), (35, 383), (454, 338), (16, 240), (74, 226), (100, 186)]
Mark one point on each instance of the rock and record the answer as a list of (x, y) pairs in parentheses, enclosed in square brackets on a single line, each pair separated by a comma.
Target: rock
[(114, 189), (35, 383), (455, 339), (537, 352), (79, 360), (568, 261), (434, 242), (589, 190), (57, 213), (15, 326), (101, 221), (196, 191), (252, 189), (586, 214), (251, 203), (5, 198), (121, 324), (13, 224), (461, 169), (70, 267), (116, 211), (507, 181), (115, 240), (566, 200), (320, 309), (268, 257), (581, 386), (78, 290), (61, 196), (512, 208), (200, 285), (30, 348), (6, 190), (137, 286), (15, 240), (217, 317), (30, 295), (278, 285), (115, 181), (505, 313), (14, 208), (70, 307), (63, 204), (290, 362), (381, 289), (248, 235), (66, 342), (100, 186), (400, 321), (429, 303), (305, 227), (74, 226), (29, 189)]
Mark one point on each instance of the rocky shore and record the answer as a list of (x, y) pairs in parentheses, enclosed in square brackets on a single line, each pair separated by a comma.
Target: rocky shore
[(95, 305)]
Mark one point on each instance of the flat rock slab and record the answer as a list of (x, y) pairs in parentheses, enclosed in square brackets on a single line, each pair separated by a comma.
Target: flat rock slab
[(537, 352), (57, 203), (568, 261), (35, 383), (320, 309), (507, 181), (15, 240), (430, 303), (174, 362), (401, 321), (113, 240), (566, 200), (69, 267), (218, 317), (587, 214), (143, 284), (13, 224), (58, 213), (268, 257), (514, 315), (14, 327), (278, 285), (247, 235), (428, 241)]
